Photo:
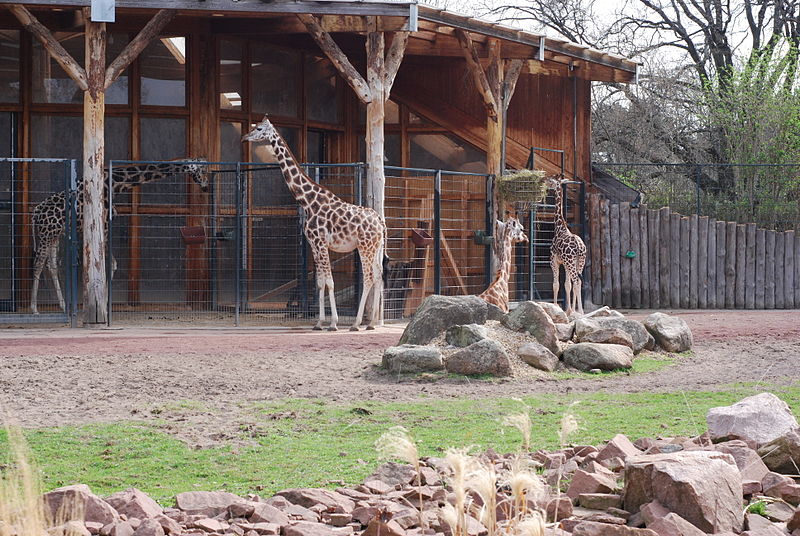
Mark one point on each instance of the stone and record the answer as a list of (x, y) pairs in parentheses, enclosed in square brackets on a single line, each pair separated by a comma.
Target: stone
[(555, 312), (149, 527), (537, 356), (377, 527), (339, 520), (120, 528), (619, 447), (604, 312), (206, 503), (493, 312), (747, 460), (169, 525), (483, 357), (703, 487), (786, 491), (674, 525), (782, 455), (670, 332), (652, 511), (600, 501), (767, 530), (779, 512), (394, 474), (757, 419), (378, 487), (565, 332), (593, 528), (134, 503), (793, 523), (243, 509), (558, 508), (639, 335), (266, 529), (589, 355), (308, 497), (409, 358), (70, 502), (93, 527), (210, 525), (531, 317), (430, 477), (307, 528), (749, 487), (463, 336), (585, 482), (437, 313), (266, 513), (609, 336), (70, 528), (294, 511)]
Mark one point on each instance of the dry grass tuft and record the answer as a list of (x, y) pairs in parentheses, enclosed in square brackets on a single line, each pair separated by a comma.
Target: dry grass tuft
[(522, 422), (397, 443)]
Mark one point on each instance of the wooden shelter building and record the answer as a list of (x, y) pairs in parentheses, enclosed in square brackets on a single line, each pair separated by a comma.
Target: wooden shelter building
[(382, 82)]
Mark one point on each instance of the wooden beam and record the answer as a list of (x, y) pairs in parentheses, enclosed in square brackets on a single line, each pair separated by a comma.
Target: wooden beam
[(494, 71), (376, 111), (290, 24), (510, 80), (135, 47), (338, 58), (51, 45), (393, 60), (478, 74)]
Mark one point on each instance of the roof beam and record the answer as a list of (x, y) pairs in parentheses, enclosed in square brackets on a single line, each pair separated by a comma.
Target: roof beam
[(135, 47), (394, 58), (478, 74)]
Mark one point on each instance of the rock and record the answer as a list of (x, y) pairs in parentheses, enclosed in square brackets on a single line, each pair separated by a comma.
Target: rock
[(339, 520), (609, 336), (747, 460), (119, 528), (69, 502), (652, 511), (408, 358), (308, 497), (493, 312), (394, 474), (619, 447), (564, 332), (205, 503), (555, 312), (377, 527), (558, 508), (600, 501), (585, 482), (766, 530), (307, 528), (781, 487), (793, 523), (749, 487), (703, 487), (670, 332), (757, 419), (604, 312), (640, 336), (149, 527), (674, 525), (782, 455), (70, 528), (210, 525), (437, 313), (134, 503), (266, 513), (593, 528), (169, 525), (755, 522), (483, 357), (531, 317), (589, 355), (538, 356), (779, 512), (378, 487), (463, 336), (93, 527)]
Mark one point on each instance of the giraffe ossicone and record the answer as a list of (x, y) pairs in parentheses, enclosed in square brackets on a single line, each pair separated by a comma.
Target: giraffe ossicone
[(332, 225), (506, 234), (567, 249)]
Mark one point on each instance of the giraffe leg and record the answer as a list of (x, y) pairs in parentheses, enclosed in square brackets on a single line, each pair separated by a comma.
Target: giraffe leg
[(319, 263), (367, 284), (52, 266), (377, 304), (568, 291), (578, 295), (42, 257), (554, 265), (334, 315)]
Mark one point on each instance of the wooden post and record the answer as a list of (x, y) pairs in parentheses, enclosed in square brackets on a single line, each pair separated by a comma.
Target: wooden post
[(644, 247), (750, 267), (653, 227), (769, 272), (616, 276), (789, 282), (675, 261), (702, 262), (663, 255), (595, 247), (712, 263), (694, 260), (375, 117), (686, 260), (761, 268), (779, 269), (730, 265), (624, 247), (721, 250), (605, 226), (797, 271), (636, 262), (741, 264)]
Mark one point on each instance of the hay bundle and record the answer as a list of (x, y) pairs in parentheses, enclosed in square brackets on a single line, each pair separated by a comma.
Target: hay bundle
[(525, 185)]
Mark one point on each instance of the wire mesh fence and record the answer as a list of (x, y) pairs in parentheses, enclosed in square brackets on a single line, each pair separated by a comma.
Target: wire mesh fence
[(765, 194)]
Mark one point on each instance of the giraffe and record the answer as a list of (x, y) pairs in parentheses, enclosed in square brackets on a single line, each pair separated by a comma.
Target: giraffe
[(506, 235), (49, 220), (567, 249), (332, 224)]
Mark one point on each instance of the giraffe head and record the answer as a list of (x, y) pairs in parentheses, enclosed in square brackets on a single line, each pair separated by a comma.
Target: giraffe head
[(514, 230), (199, 172), (264, 130), (555, 181)]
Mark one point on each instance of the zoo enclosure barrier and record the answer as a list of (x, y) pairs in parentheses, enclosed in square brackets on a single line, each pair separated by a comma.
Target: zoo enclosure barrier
[(657, 258), (765, 194)]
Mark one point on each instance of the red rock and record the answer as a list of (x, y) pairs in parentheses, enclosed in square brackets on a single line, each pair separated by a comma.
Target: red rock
[(149, 527), (307, 528), (770, 530), (394, 473), (210, 525), (376, 527), (652, 511), (430, 477), (378, 487), (269, 529), (674, 525), (122, 528), (593, 528), (93, 527), (339, 520), (308, 497), (619, 447), (781, 487), (294, 511), (353, 494), (557, 509), (779, 511), (749, 487), (602, 517), (206, 503), (243, 509), (266, 513), (599, 501), (584, 482), (68, 502), (134, 503), (747, 460), (364, 514), (70, 528), (793, 523)]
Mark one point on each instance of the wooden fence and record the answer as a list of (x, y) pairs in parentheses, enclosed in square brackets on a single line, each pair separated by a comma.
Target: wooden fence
[(643, 258)]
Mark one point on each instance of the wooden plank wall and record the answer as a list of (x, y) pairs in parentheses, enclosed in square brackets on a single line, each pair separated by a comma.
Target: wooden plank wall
[(658, 259)]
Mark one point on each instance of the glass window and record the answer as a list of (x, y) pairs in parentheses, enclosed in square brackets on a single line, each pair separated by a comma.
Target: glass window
[(9, 66), (163, 66), (392, 152), (275, 87), (230, 141), (442, 151), (53, 136), (164, 139), (270, 189), (118, 138), (230, 75), (415, 119), (118, 92), (262, 152), (321, 80), (50, 82)]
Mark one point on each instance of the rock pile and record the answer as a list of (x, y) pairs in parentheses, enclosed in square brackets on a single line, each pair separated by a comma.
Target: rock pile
[(649, 487), (461, 335)]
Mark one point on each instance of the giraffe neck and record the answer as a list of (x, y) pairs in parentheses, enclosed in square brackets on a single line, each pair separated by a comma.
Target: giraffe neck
[(303, 189), (505, 260), (560, 221), (125, 178)]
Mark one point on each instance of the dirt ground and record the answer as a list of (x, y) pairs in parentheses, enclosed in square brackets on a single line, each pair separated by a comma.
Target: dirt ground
[(57, 376)]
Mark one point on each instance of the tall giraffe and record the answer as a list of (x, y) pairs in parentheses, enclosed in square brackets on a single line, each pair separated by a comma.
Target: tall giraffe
[(567, 249), (506, 235), (49, 218), (332, 224)]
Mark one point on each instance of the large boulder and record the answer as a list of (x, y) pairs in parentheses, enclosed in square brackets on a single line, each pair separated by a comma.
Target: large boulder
[(756, 419), (590, 355), (556, 313), (782, 454), (483, 357), (78, 502), (609, 336), (670, 332), (463, 336), (640, 336), (134, 503), (747, 460), (531, 317), (412, 358), (537, 356), (437, 313), (703, 487)]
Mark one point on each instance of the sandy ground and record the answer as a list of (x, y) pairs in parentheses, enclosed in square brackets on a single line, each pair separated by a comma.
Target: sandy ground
[(58, 376)]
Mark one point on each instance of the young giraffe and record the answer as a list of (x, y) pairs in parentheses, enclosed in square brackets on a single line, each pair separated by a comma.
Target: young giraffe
[(49, 218), (567, 249), (332, 224), (506, 235)]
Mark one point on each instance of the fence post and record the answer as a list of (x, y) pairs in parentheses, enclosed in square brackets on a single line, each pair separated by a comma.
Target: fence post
[(531, 254), (239, 244), (72, 259), (437, 232), (109, 248), (489, 217), (358, 268)]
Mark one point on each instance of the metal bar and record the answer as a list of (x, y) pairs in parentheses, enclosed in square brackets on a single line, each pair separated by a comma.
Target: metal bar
[(239, 252), (432, 171), (488, 217), (359, 201), (212, 250), (72, 168), (109, 248), (531, 253), (437, 233)]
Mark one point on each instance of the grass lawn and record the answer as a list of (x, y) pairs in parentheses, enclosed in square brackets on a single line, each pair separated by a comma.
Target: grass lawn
[(315, 443)]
